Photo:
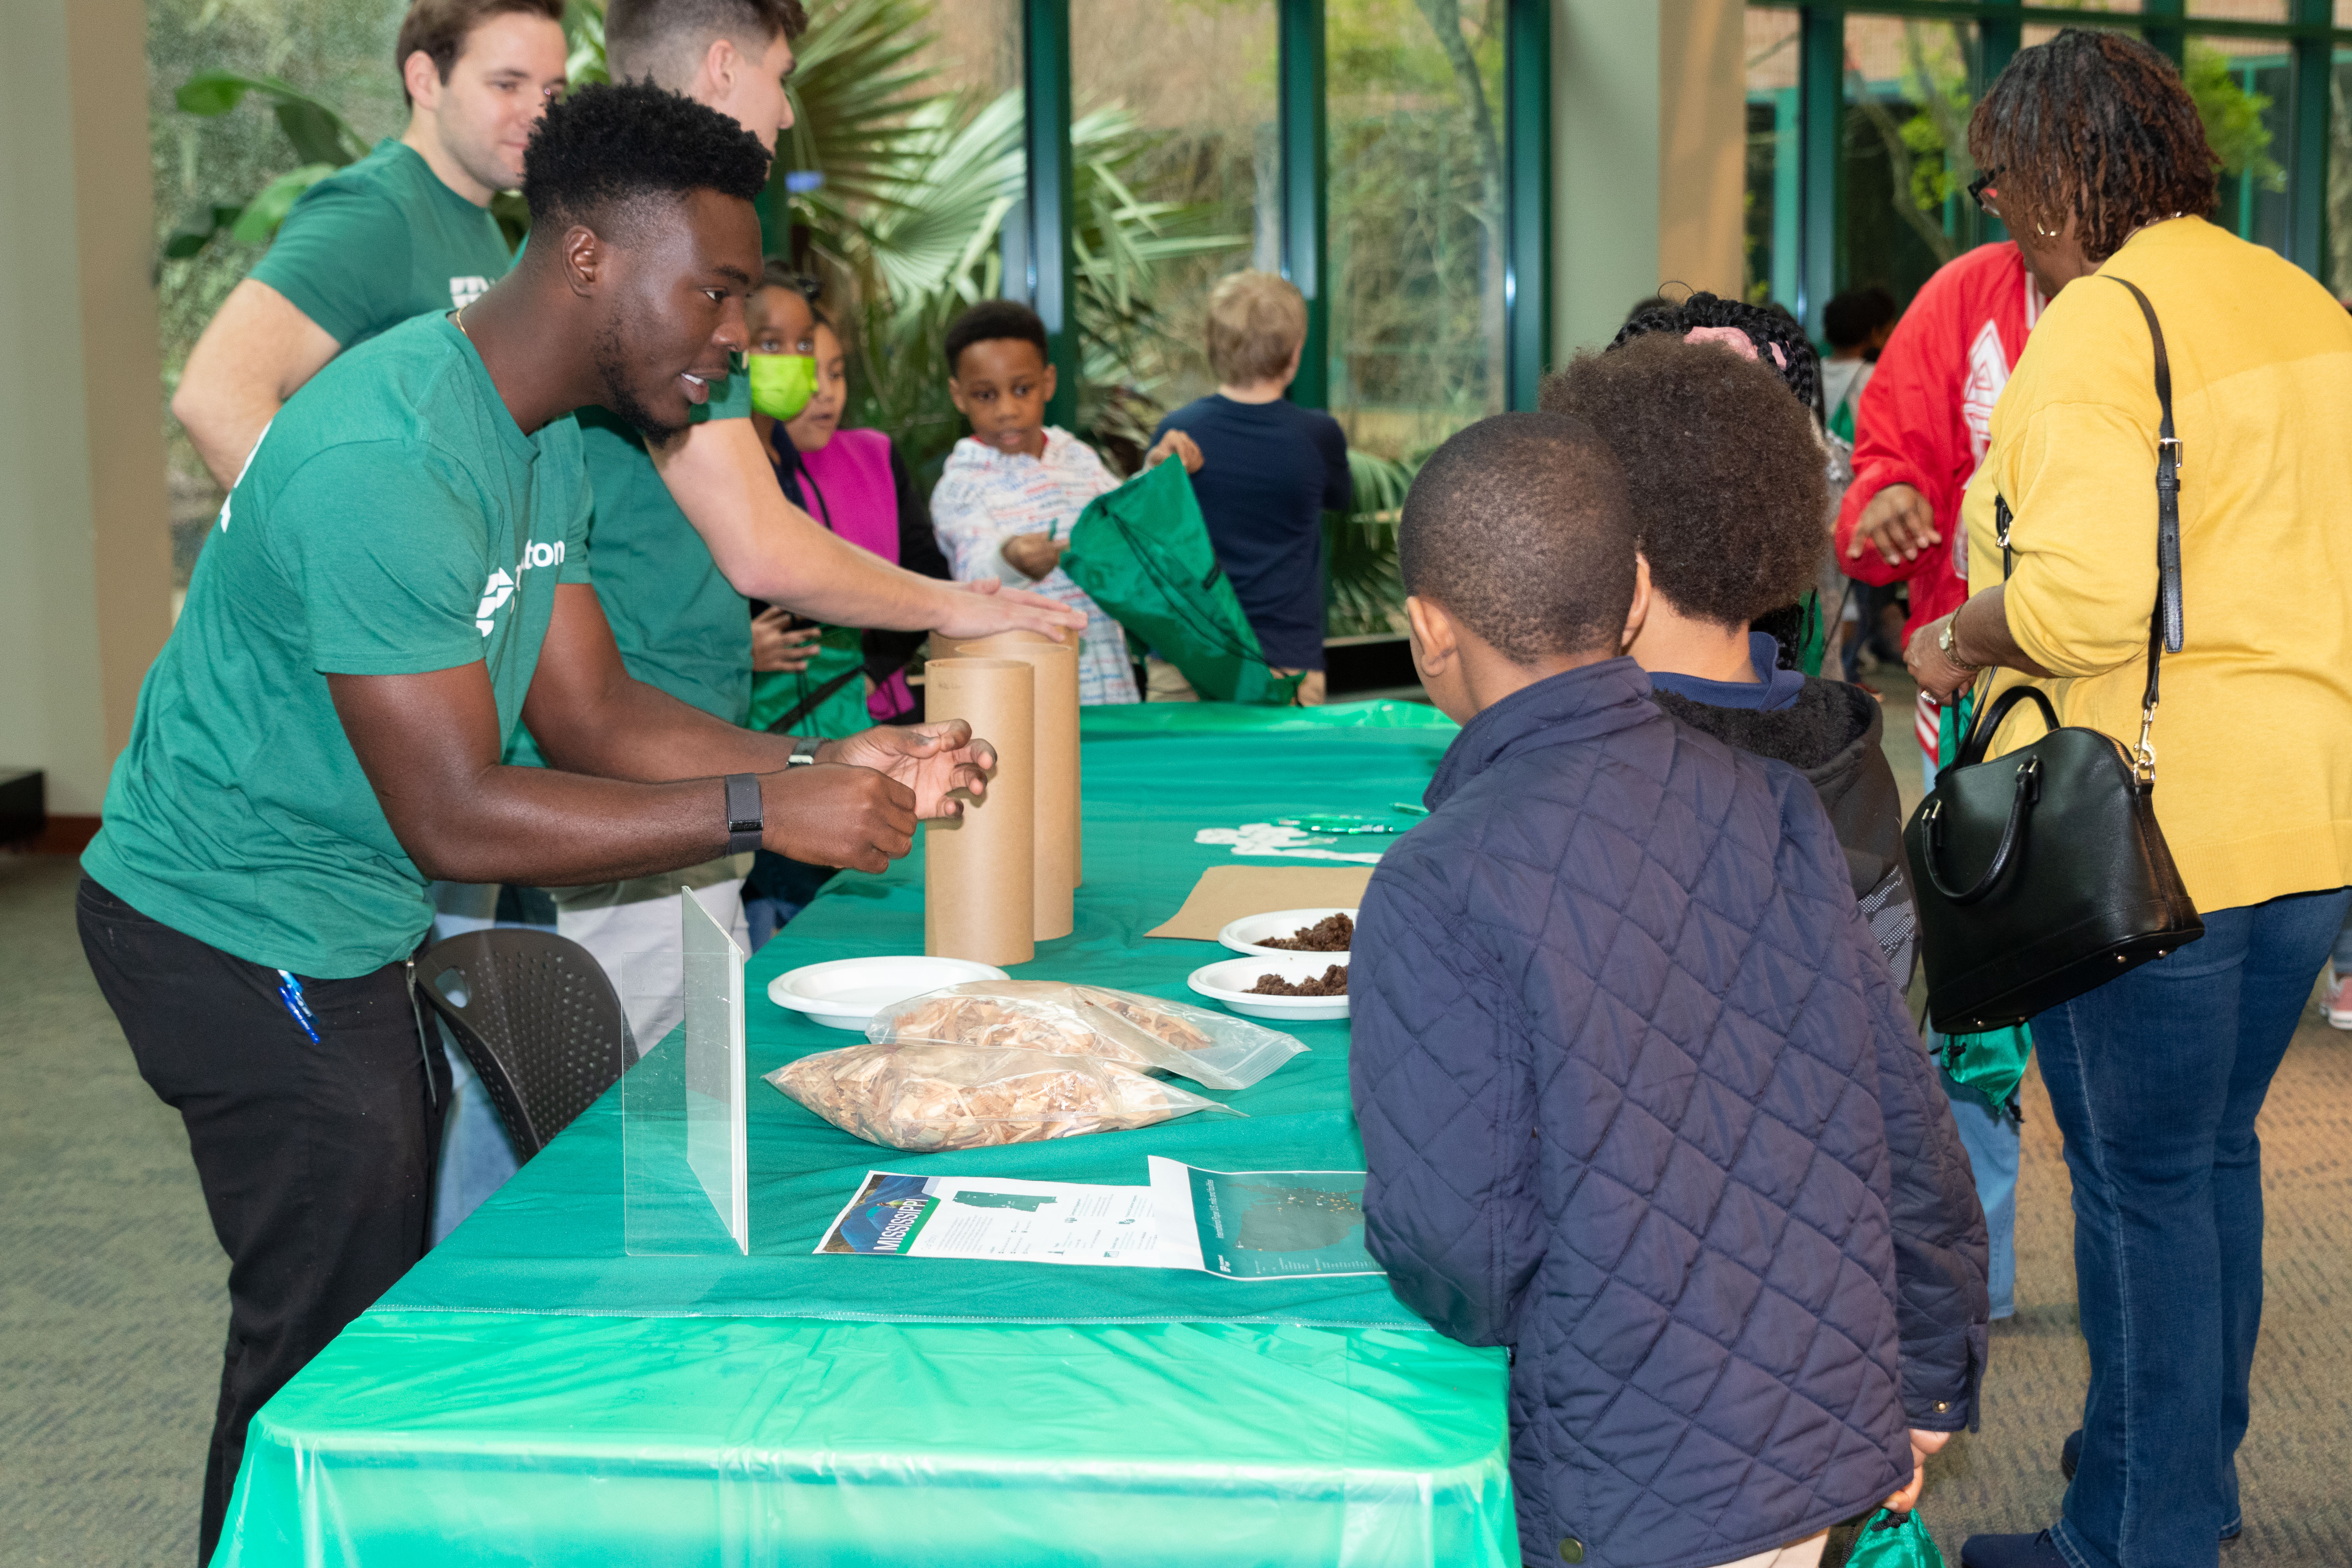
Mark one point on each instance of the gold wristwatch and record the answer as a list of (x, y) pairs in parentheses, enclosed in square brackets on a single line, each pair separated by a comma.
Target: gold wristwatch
[(1949, 646)]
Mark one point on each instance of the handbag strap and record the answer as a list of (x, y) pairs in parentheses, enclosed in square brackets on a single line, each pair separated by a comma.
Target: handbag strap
[(2165, 629)]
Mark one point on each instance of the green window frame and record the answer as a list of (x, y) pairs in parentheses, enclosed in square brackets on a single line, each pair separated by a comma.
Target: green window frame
[(1048, 258), (1809, 262)]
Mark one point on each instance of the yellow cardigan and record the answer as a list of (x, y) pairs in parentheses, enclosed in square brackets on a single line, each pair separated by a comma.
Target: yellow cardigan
[(2253, 736)]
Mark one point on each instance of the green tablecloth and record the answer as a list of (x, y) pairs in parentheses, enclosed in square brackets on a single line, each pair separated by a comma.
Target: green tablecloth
[(530, 1393)]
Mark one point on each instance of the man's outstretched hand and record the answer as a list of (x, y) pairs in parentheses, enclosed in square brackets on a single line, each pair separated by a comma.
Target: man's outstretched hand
[(933, 761), (984, 607), (858, 805)]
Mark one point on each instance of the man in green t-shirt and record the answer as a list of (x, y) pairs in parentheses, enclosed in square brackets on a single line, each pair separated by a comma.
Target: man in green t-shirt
[(685, 532), (399, 579), (404, 230)]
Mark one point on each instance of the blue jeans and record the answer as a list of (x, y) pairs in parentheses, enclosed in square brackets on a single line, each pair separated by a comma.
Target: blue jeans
[(2155, 1078), (1993, 1140)]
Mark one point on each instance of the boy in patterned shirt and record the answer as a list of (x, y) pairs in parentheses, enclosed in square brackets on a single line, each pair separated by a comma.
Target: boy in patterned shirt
[(1013, 489)]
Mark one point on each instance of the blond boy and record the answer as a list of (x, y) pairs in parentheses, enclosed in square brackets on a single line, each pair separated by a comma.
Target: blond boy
[(1270, 471)]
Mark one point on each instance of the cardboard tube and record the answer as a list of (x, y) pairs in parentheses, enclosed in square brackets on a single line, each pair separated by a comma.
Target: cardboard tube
[(978, 870), (1059, 776), (1057, 837)]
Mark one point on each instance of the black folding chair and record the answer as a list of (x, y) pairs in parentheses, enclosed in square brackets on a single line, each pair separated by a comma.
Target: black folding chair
[(537, 1019)]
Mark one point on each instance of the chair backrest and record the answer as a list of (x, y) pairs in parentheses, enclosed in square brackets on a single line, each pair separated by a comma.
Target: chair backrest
[(540, 1022)]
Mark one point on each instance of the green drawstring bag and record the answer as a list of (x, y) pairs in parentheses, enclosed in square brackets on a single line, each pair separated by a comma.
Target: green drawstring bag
[(1993, 1063), (1142, 553), (827, 699), (1895, 1541)]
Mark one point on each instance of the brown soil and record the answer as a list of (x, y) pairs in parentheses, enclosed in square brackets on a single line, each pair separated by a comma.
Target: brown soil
[(1332, 933), (1333, 982)]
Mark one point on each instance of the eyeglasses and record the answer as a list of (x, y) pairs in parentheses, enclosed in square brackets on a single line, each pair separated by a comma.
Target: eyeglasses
[(1982, 187)]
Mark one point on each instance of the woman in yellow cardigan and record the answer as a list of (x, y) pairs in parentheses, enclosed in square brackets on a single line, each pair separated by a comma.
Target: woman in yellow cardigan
[(2095, 158)]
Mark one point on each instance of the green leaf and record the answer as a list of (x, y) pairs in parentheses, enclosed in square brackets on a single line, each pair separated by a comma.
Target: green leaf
[(198, 229), (316, 132), (584, 30), (212, 92), (259, 221)]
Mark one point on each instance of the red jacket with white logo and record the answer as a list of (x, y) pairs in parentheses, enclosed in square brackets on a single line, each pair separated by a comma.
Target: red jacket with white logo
[(1926, 417)]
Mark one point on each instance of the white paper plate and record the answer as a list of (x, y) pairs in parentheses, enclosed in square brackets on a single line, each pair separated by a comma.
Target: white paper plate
[(1245, 934), (848, 992), (1229, 980)]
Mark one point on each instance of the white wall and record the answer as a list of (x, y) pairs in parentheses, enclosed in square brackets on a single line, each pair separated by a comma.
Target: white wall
[(85, 551)]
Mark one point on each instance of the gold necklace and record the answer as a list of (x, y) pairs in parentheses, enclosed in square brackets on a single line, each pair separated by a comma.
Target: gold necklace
[(458, 320)]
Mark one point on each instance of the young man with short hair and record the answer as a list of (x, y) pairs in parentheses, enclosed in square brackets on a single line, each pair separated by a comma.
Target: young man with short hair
[(397, 582), (689, 525), (1270, 471), (404, 230)]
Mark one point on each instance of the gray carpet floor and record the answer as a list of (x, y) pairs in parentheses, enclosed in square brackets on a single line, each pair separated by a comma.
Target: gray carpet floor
[(111, 1306)]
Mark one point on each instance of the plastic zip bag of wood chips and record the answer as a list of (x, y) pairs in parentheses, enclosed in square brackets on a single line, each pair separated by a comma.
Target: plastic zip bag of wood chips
[(1213, 1050), (927, 1097)]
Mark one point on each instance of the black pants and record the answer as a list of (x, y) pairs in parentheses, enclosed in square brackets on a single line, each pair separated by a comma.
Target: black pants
[(317, 1159)]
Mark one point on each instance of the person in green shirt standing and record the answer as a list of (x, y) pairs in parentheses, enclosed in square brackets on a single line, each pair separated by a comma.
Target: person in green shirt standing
[(686, 530), (398, 581), (404, 230)]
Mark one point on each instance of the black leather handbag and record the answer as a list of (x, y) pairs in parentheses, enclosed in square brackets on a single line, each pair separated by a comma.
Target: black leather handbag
[(2042, 874)]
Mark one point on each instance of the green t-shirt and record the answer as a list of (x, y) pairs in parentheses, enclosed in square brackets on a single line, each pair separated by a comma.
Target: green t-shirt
[(393, 520), (680, 626), (372, 244)]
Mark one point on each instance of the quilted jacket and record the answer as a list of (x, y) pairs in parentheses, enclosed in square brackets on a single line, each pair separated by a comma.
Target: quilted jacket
[(1834, 735), (1640, 1101)]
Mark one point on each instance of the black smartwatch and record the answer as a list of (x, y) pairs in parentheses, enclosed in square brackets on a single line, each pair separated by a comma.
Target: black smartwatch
[(746, 818)]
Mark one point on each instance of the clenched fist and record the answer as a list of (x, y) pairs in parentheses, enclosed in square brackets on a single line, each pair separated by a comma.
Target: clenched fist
[(836, 815)]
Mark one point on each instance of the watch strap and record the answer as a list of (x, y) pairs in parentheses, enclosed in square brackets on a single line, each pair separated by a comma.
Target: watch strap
[(804, 751), (746, 817)]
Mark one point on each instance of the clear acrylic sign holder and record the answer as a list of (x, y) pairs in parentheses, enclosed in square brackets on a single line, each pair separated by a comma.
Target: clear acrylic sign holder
[(685, 1173)]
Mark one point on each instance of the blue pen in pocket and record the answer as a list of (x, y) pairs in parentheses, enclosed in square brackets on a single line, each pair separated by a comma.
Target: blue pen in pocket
[(289, 991)]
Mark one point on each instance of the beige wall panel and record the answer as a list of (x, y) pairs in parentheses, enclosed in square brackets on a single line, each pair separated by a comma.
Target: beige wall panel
[(1702, 144), (84, 596)]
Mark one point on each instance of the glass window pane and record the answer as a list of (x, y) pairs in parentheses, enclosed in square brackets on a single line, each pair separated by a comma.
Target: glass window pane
[(1772, 166), (2339, 178), (2242, 86), (977, 47), (340, 51), (1416, 212), (1187, 125), (1906, 168)]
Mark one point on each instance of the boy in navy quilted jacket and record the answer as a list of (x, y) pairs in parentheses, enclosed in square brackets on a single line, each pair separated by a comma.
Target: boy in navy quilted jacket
[(1639, 1098)]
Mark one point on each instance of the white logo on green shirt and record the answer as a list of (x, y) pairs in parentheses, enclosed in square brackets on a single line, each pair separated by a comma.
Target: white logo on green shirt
[(464, 291), (246, 469), (501, 587)]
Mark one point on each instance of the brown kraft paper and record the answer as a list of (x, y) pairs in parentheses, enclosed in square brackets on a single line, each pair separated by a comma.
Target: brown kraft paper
[(978, 869), (1227, 893), (1058, 808)]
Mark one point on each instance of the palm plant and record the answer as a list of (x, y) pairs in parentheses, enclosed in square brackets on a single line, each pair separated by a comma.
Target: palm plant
[(898, 193), (1361, 595)]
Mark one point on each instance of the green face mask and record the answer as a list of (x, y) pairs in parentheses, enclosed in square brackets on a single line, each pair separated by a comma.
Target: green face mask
[(782, 384)]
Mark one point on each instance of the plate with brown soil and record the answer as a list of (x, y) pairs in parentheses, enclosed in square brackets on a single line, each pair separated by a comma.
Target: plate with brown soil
[(1297, 986), (1283, 932)]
